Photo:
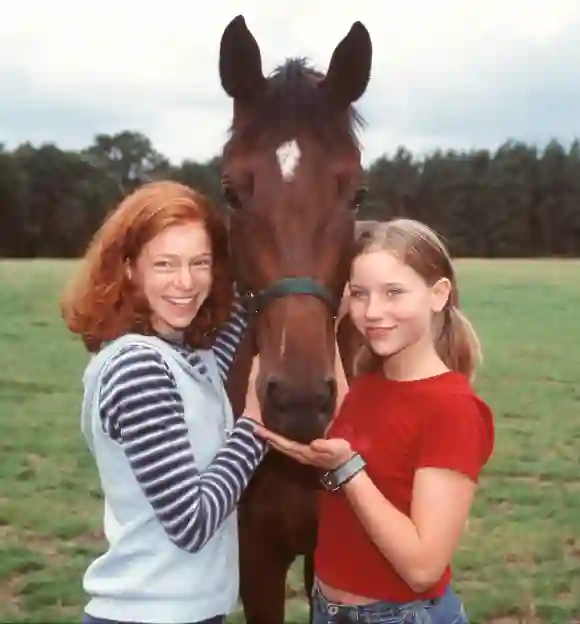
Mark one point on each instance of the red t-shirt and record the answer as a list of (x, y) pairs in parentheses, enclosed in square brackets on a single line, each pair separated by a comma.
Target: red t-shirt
[(397, 427)]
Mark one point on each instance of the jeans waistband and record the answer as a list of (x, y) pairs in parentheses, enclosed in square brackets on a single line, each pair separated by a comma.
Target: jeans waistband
[(372, 611)]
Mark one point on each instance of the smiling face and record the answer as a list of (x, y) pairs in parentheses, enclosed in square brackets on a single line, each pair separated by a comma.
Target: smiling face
[(174, 273), (393, 306)]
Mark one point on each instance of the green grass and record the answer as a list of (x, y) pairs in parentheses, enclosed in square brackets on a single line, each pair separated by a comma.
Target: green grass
[(520, 558)]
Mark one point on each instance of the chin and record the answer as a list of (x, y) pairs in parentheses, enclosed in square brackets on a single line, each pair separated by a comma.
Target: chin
[(181, 324), (384, 350), (167, 323), (179, 321)]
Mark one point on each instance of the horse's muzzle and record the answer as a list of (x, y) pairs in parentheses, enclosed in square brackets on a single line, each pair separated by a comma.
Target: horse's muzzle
[(301, 414)]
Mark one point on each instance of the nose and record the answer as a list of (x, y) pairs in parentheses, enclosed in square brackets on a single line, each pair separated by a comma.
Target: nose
[(282, 396), (374, 310), (184, 278), (300, 414)]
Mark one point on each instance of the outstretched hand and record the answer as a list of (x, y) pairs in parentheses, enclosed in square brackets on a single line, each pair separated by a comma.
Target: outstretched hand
[(322, 453)]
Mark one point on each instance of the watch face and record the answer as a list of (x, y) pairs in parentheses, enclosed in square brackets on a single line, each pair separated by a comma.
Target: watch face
[(328, 482)]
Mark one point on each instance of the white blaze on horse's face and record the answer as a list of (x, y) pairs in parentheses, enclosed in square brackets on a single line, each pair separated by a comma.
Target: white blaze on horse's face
[(288, 155), (283, 343)]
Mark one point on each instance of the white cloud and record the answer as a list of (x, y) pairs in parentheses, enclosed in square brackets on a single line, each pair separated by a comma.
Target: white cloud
[(108, 66)]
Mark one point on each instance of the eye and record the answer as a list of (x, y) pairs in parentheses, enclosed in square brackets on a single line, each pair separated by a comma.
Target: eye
[(238, 192), (359, 197), (231, 197)]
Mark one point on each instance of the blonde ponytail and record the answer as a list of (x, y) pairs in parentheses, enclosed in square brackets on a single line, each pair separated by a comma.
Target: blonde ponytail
[(457, 344)]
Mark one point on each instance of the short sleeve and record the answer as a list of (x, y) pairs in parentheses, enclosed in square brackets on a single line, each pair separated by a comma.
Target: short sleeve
[(458, 434)]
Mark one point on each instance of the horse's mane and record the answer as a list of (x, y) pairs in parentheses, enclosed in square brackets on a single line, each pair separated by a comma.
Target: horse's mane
[(293, 104)]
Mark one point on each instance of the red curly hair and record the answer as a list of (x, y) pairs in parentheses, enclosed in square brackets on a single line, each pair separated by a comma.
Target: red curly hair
[(101, 303)]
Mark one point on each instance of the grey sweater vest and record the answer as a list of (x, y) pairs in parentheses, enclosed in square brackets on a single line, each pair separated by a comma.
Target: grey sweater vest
[(143, 576)]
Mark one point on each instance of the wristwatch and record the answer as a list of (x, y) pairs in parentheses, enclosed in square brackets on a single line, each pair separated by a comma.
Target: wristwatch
[(333, 480)]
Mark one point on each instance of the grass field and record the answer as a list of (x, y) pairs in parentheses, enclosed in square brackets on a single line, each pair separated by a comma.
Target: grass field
[(520, 558)]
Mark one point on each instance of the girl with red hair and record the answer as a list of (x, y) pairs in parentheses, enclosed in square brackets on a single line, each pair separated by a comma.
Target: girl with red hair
[(152, 291)]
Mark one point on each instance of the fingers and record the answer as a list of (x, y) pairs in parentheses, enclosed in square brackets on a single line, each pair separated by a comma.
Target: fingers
[(297, 455), (322, 453), (330, 446), (274, 437), (321, 446), (295, 450)]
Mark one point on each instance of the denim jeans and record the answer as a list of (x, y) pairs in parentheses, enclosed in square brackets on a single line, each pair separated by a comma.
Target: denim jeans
[(445, 610), (89, 619)]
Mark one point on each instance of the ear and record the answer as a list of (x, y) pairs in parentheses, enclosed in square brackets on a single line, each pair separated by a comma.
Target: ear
[(240, 62), (440, 294), (349, 70)]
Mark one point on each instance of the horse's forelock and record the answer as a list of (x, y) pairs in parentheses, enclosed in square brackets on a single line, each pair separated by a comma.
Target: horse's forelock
[(294, 105)]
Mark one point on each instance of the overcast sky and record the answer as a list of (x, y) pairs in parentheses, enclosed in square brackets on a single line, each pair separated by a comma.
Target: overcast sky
[(446, 73)]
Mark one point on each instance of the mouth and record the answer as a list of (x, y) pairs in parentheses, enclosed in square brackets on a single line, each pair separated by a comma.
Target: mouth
[(375, 333), (181, 302), (295, 426)]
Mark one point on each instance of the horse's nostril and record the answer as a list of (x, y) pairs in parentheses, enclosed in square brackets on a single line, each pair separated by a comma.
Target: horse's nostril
[(272, 384), (331, 383), (274, 392), (327, 394)]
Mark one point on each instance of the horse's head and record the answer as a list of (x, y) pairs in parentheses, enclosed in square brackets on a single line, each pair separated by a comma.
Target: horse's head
[(292, 177)]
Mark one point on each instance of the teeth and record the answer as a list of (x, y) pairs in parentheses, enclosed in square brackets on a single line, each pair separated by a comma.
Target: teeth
[(181, 300)]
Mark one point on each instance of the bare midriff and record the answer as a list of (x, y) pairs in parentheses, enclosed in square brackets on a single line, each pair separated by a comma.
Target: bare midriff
[(342, 597)]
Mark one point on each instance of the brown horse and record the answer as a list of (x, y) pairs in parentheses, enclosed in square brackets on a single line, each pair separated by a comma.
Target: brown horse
[(293, 180)]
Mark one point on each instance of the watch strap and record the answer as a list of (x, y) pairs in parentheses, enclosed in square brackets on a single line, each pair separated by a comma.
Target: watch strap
[(334, 479)]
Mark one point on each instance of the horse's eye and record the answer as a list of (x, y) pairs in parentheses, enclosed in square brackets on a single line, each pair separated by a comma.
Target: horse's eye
[(359, 197), (231, 197)]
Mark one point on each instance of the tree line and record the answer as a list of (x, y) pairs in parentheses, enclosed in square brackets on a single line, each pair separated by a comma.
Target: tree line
[(516, 201)]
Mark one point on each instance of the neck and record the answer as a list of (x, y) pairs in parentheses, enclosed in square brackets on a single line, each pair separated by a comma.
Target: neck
[(175, 336), (417, 361), (169, 333)]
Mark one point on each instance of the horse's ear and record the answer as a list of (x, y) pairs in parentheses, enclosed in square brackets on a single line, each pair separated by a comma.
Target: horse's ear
[(349, 70), (240, 62)]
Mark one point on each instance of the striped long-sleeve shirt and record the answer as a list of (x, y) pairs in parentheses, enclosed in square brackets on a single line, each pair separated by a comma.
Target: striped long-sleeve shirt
[(141, 408)]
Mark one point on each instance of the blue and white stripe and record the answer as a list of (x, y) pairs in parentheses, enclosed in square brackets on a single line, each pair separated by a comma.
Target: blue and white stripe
[(141, 408)]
